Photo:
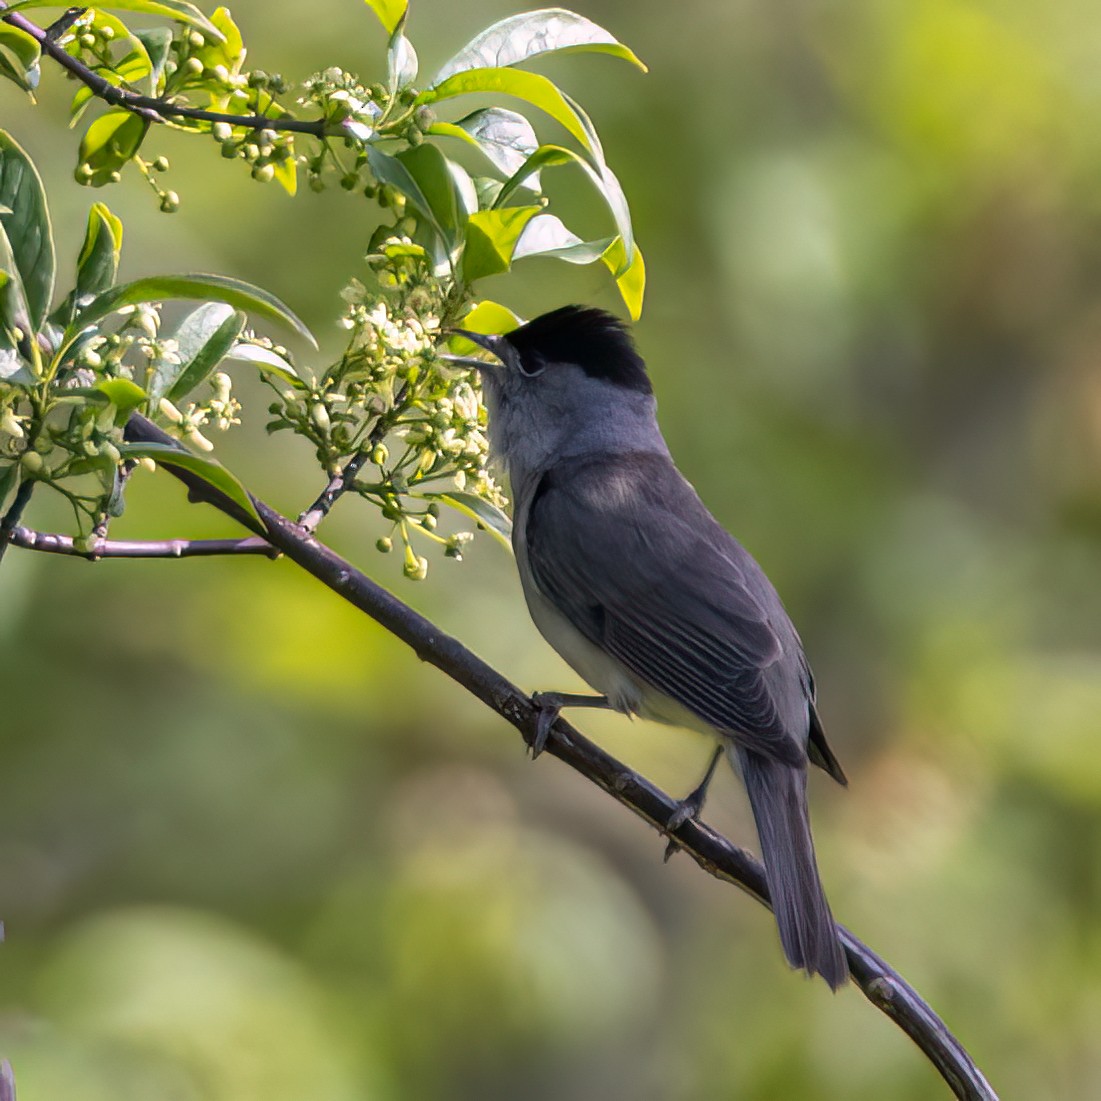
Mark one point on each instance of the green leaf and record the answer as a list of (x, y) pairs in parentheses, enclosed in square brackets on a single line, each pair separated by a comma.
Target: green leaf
[(19, 57), (173, 9), (630, 275), (109, 143), (390, 12), (124, 394), (98, 262), (487, 317), (491, 237), (14, 314), (203, 340), (218, 288), (545, 235), (495, 521), (27, 228), (530, 87), (520, 37), (401, 62), (157, 42), (506, 138), (390, 170), (211, 472), (602, 177), (265, 359)]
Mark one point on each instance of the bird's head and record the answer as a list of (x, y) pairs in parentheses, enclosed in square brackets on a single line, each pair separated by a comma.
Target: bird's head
[(567, 382)]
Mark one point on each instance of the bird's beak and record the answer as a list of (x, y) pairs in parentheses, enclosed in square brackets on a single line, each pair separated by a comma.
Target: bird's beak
[(495, 345)]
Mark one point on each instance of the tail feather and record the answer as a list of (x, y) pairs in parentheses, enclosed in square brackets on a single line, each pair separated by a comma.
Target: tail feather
[(778, 796)]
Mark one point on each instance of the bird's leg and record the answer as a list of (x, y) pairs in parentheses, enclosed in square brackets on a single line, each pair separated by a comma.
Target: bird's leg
[(691, 806), (549, 704)]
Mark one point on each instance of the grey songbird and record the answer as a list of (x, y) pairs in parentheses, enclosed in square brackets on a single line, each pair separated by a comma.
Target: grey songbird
[(631, 579)]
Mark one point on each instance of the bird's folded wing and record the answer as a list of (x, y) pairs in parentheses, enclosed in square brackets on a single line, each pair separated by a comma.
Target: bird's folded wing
[(625, 549)]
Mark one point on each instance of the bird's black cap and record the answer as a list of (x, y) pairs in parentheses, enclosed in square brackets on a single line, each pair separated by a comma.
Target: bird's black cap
[(596, 341)]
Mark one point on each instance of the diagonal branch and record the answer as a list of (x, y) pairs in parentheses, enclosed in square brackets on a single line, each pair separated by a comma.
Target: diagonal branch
[(880, 983), (49, 543), (149, 107)]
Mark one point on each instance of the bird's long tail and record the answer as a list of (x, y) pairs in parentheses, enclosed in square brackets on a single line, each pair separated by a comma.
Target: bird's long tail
[(778, 796)]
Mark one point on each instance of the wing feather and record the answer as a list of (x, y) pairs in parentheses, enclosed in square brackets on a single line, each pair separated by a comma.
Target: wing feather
[(625, 549)]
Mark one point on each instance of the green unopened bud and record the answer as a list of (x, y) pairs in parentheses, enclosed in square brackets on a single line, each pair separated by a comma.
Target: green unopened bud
[(424, 117), (193, 66), (109, 451), (160, 164), (433, 509), (384, 545), (170, 202), (114, 177), (83, 174), (414, 136), (196, 40), (428, 522), (380, 455), (220, 73), (349, 181), (317, 183), (32, 463), (88, 40), (320, 416), (221, 131), (106, 33), (147, 464), (265, 173)]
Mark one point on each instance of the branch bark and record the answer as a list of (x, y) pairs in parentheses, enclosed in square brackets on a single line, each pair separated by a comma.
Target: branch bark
[(11, 518), (49, 543), (884, 987), (149, 107)]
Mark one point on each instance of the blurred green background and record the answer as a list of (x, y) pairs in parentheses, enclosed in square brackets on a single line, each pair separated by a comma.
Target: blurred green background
[(250, 848)]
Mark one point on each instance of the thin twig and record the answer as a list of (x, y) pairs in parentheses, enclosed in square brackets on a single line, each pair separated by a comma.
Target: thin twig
[(14, 514), (151, 108), (343, 480), (338, 485), (49, 543), (880, 983)]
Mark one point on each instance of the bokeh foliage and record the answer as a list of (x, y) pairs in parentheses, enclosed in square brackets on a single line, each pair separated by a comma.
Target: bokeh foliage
[(243, 835)]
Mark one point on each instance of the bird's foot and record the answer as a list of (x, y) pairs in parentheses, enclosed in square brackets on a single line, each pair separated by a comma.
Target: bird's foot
[(549, 705), (690, 807)]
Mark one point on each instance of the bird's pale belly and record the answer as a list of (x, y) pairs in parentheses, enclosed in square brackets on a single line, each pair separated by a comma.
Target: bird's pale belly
[(606, 674)]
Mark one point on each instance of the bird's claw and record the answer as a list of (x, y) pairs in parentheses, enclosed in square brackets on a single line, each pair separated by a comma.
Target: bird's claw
[(688, 810), (548, 715)]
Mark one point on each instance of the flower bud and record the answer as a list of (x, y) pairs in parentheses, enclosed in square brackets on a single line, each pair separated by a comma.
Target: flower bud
[(221, 131), (384, 545)]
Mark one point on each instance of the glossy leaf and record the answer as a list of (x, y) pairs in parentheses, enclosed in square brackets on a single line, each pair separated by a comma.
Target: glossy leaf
[(401, 62), (173, 9), (629, 270), (157, 41), (19, 57), (218, 288), (602, 177), (264, 358), (495, 521), (98, 262), (545, 235), (506, 138), (521, 37), (109, 143), (27, 228), (124, 394), (491, 237), (389, 12), (487, 317), (390, 170), (530, 87), (203, 339), (211, 472)]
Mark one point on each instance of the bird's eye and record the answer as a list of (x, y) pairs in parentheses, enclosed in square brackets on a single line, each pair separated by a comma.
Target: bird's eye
[(532, 367)]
